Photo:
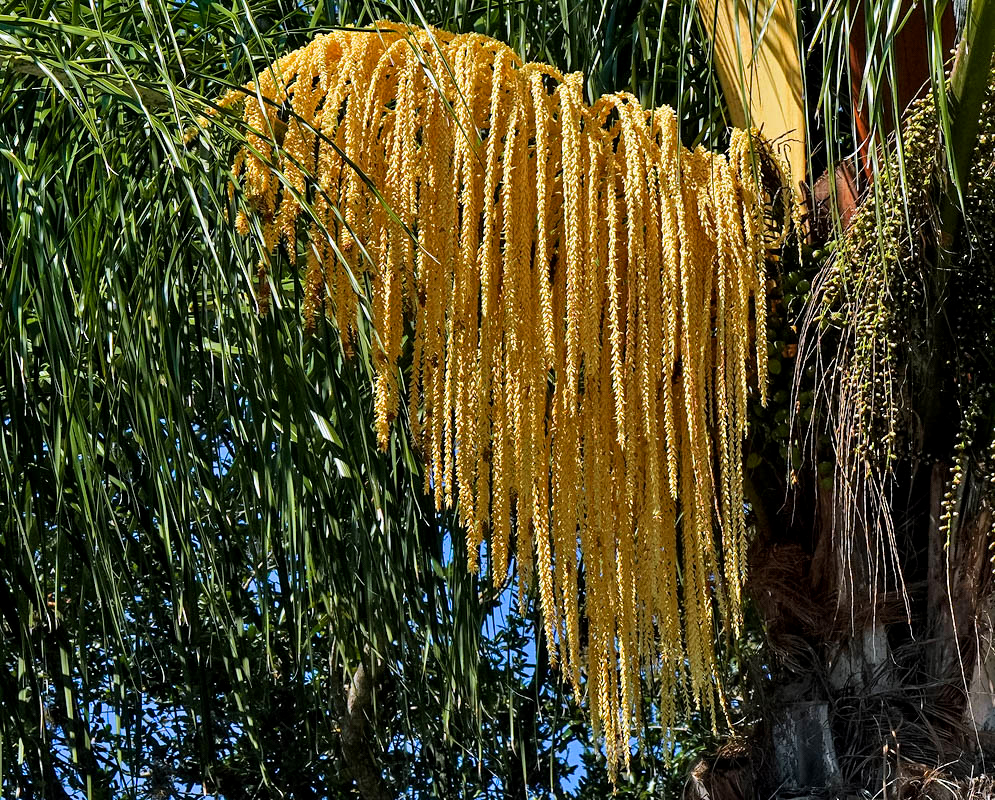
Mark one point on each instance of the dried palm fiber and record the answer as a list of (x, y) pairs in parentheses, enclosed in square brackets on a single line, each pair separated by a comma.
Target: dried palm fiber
[(584, 294)]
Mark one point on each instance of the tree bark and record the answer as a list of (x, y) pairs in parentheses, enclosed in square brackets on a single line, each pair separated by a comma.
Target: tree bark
[(355, 746), (877, 682)]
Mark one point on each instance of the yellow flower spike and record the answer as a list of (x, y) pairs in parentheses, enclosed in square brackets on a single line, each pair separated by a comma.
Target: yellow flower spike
[(580, 289)]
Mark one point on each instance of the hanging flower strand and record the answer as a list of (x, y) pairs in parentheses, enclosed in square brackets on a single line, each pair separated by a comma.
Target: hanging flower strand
[(585, 295)]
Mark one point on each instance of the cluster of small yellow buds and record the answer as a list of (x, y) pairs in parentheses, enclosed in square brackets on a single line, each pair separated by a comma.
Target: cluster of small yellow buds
[(583, 293)]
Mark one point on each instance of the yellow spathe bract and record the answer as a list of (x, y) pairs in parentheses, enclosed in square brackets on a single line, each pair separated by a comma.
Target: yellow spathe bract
[(582, 291)]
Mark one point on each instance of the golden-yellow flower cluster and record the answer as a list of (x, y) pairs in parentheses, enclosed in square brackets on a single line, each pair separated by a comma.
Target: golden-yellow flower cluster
[(584, 294)]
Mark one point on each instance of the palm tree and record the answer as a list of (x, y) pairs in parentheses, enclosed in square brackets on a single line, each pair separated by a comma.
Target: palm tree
[(205, 559)]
